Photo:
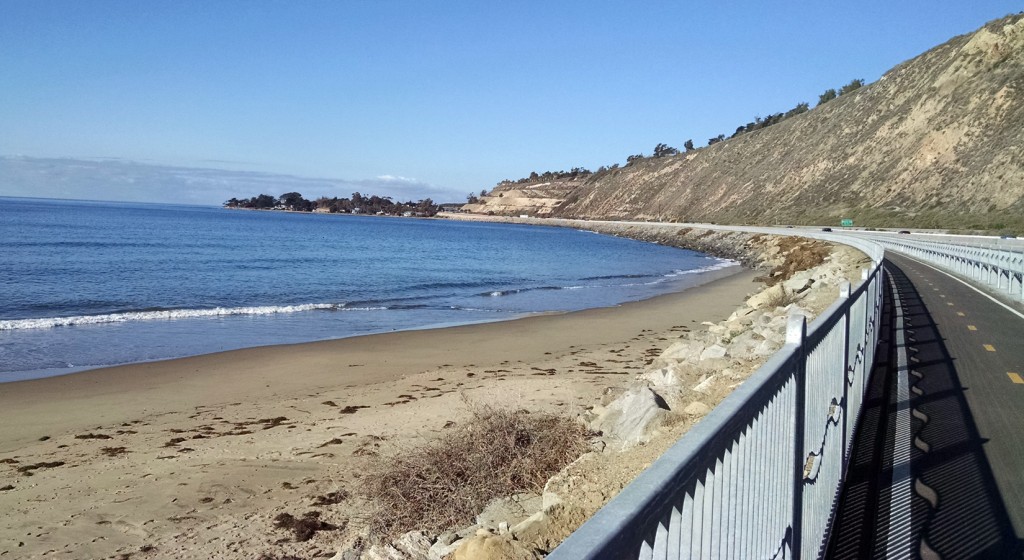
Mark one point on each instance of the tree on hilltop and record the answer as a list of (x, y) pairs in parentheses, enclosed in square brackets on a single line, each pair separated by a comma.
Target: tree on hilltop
[(664, 150), (852, 86), (829, 95), (688, 145)]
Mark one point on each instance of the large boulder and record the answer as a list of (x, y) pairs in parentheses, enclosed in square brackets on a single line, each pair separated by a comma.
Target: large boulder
[(663, 378), (632, 417), (765, 297), (492, 547), (683, 351), (414, 545)]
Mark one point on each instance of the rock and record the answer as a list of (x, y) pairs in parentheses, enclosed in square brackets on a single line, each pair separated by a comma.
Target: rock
[(697, 408), (414, 545), (383, 552), (797, 284), (741, 313), (492, 548), (765, 297), (684, 350), (743, 346), (767, 347), (550, 500), (794, 309), (530, 522), (664, 377), (441, 550), (510, 510), (705, 384), (633, 416), (714, 352)]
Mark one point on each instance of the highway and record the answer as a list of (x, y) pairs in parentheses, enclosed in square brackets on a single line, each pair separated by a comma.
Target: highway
[(937, 469)]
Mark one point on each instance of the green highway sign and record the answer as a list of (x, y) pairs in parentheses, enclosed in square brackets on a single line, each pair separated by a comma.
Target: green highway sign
[(847, 222)]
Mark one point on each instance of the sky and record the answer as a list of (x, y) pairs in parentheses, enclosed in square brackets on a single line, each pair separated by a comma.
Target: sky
[(198, 101)]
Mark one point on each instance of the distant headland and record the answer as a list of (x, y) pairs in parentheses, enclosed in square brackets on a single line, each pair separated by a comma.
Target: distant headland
[(357, 204)]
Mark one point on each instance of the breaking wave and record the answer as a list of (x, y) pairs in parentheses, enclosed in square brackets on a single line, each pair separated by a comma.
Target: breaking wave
[(655, 279), (170, 314)]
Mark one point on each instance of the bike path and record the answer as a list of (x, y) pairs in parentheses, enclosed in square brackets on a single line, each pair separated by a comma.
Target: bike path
[(962, 387)]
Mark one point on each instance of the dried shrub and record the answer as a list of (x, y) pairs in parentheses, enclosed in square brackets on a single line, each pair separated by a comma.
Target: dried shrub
[(800, 254), (781, 299), (446, 483)]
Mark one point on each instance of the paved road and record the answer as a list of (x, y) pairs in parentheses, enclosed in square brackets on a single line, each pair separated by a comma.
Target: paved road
[(962, 394)]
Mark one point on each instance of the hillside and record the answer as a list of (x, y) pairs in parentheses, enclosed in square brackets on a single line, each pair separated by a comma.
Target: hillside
[(938, 141)]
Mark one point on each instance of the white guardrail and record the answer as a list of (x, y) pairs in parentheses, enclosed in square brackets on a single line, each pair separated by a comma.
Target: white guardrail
[(1001, 270), (760, 475)]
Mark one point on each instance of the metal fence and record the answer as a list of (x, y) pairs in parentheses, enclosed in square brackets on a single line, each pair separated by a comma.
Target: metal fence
[(1001, 270), (759, 476)]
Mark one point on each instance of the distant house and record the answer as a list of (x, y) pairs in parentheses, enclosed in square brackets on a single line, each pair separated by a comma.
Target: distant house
[(357, 210), (407, 213), (451, 207)]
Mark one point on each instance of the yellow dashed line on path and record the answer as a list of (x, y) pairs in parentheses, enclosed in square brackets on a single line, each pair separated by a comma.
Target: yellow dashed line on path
[(1015, 377), (989, 347), (961, 313), (942, 295), (972, 328), (949, 303)]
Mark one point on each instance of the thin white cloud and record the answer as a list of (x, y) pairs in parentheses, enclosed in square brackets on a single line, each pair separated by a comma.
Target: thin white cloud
[(114, 179)]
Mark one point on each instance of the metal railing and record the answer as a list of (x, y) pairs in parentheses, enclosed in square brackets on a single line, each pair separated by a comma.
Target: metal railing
[(759, 476), (1001, 270)]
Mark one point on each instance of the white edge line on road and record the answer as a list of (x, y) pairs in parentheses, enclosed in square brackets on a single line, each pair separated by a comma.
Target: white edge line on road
[(965, 283)]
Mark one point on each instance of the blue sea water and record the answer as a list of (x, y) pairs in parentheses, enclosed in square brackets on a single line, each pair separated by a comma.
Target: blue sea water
[(90, 284)]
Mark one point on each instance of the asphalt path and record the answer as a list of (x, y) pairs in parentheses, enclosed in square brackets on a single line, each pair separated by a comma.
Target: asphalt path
[(963, 386)]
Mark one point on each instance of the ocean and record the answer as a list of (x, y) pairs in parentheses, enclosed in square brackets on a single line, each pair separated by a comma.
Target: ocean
[(92, 284)]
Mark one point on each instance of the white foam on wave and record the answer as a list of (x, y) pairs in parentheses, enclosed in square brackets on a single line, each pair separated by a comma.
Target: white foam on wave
[(170, 314), (717, 265)]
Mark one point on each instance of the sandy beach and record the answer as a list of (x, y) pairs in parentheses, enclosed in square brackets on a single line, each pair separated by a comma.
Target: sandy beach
[(193, 458)]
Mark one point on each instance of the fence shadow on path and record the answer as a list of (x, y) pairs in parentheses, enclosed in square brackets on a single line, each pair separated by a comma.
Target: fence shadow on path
[(955, 510)]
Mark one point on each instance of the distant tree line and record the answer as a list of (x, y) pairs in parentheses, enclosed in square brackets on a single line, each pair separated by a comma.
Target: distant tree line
[(664, 150), (548, 176), (831, 94), (357, 204)]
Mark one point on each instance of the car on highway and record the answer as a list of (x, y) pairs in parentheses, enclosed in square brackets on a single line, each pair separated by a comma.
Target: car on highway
[(904, 232), (826, 229)]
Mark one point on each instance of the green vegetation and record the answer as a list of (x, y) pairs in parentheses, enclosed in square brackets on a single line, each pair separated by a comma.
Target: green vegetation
[(831, 94), (357, 204), (547, 176)]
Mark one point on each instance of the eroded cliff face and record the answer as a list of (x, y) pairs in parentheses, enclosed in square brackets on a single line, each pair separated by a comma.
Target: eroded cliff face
[(938, 141)]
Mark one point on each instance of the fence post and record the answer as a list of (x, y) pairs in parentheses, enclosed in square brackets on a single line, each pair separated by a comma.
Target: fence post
[(844, 295), (796, 333)]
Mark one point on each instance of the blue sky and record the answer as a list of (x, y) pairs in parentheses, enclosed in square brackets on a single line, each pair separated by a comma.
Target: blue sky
[(441, 98)]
